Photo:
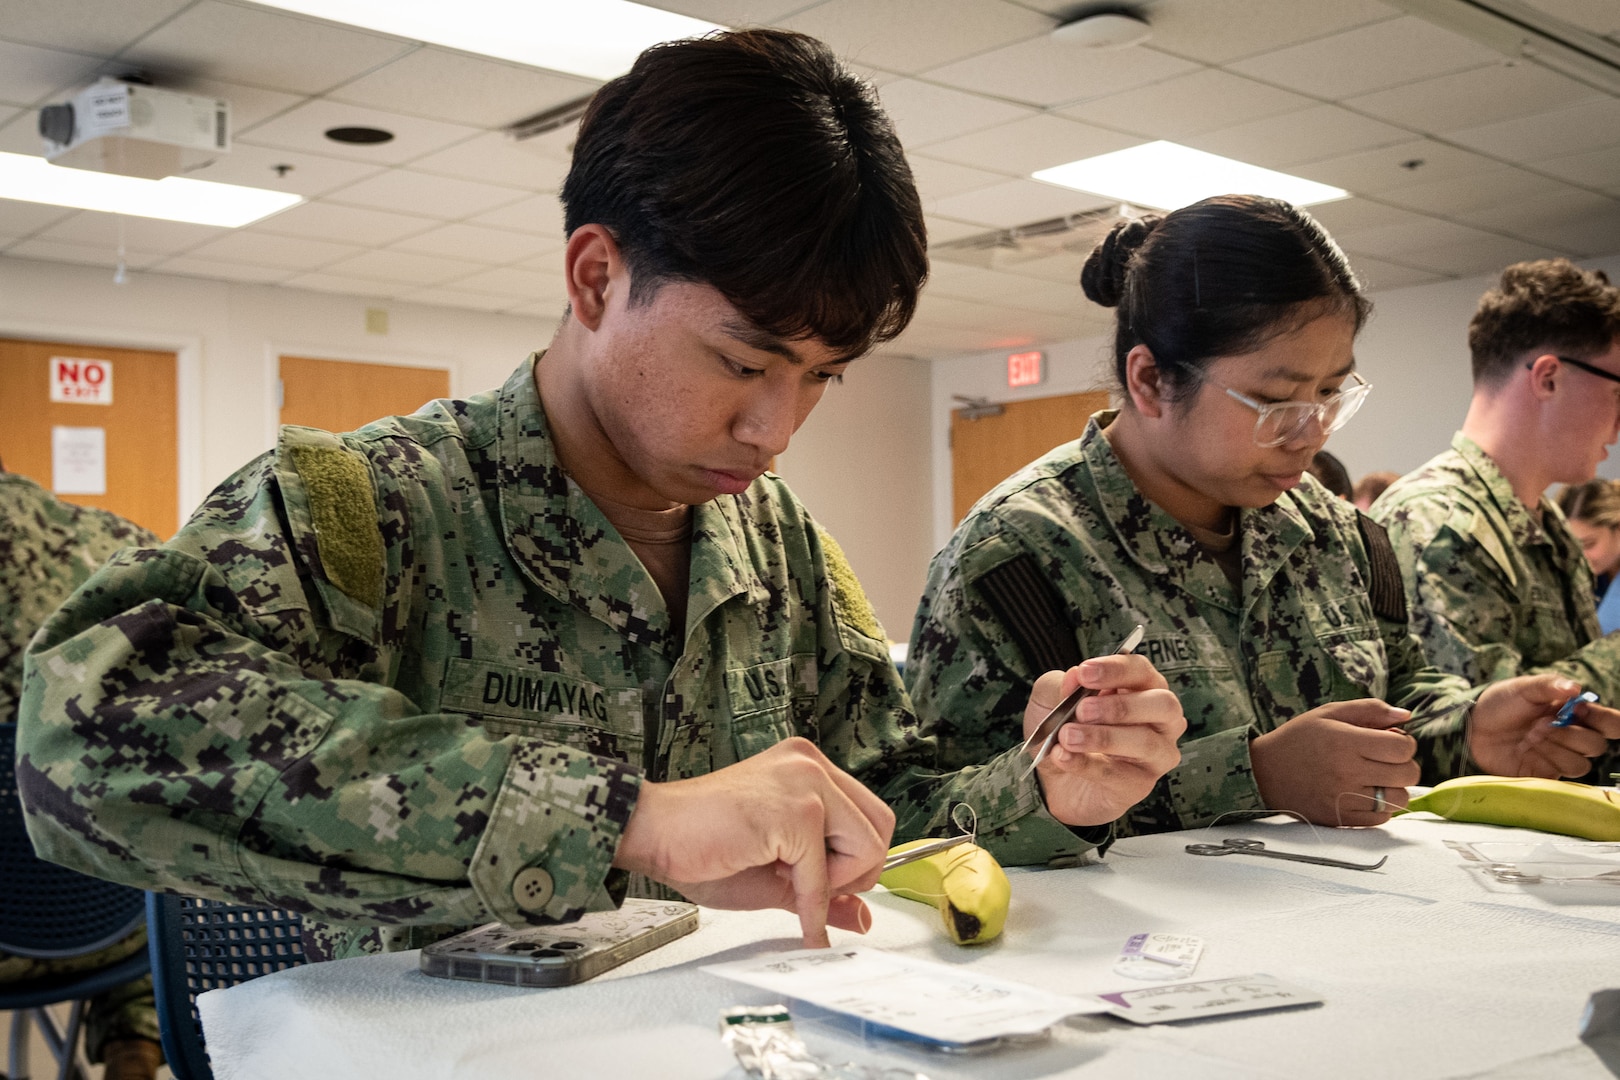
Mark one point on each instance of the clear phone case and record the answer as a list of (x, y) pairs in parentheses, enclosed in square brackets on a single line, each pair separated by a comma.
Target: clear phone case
[(561, 954)]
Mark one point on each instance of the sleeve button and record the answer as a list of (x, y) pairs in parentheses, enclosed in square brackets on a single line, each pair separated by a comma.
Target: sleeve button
[(532, 888)]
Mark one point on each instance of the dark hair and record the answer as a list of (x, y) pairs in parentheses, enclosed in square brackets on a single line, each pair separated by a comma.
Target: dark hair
[(754, 163), (1547, 304), (1332, 473), (1217, 278)]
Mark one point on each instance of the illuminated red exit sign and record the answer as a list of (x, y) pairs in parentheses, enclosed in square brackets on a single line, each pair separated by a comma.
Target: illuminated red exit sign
[(1024, 368)]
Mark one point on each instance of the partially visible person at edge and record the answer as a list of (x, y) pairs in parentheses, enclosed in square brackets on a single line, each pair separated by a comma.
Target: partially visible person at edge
[(515, 656), (1331, 474), (1499, 585), (47, 549), (1274, 609), (1369, 487), (1592, 512)]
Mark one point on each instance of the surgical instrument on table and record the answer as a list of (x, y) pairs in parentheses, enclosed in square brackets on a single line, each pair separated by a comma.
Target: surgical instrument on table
[(1255, 847), (1046, 731), (922, 851)]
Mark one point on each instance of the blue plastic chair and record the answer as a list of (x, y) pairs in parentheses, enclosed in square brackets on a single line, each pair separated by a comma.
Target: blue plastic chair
[(199, 945), (51, 912)]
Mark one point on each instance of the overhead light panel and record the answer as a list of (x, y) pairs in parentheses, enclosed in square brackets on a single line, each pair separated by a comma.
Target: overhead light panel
[(174, 198), (598, 39), (1168, 176)]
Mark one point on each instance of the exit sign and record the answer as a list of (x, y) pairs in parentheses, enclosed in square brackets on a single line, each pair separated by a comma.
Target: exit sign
[(1024, 368)]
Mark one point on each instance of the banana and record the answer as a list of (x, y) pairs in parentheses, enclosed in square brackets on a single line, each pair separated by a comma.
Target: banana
[(1527, 802), (966, 884)]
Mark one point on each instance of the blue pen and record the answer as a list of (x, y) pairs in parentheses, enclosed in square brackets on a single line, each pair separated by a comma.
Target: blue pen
[(1566, 714)]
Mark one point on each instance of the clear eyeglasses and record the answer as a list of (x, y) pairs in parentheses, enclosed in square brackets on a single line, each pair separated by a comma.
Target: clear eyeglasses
[(1284, 421)]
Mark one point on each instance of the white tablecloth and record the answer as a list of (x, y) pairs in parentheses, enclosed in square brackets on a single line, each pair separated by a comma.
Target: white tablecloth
[(1426, 968)]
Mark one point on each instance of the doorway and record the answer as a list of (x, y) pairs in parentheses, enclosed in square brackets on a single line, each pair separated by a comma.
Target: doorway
[(988, 448), (341, 395)]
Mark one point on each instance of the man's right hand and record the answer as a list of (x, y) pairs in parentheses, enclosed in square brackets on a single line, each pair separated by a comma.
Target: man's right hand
[(785, 828), (1327, 764)]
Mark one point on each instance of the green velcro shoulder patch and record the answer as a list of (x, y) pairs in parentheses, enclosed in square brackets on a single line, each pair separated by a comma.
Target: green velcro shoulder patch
[(849, 599), (343, 511)]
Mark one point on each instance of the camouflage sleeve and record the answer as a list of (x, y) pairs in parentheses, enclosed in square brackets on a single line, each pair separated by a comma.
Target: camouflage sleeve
[(189, 723), (866, 722)]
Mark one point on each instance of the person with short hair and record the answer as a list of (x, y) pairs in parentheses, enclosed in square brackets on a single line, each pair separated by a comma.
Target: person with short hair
[(1274, 610), (1369, 487), (1499, 585), (517, 656), (48, 547)]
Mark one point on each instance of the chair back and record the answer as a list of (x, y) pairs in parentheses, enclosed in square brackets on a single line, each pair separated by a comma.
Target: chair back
[(199, 945), (48, 910)]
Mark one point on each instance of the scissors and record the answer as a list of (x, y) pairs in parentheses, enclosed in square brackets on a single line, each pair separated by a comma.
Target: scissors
[(922, 851), (1255, 847), (1046, 731)]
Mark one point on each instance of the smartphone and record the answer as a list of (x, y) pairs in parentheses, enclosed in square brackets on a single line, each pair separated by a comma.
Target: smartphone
[(561, 954)]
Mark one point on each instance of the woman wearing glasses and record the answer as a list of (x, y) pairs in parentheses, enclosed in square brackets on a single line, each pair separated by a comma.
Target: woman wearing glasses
[(1274, 610)]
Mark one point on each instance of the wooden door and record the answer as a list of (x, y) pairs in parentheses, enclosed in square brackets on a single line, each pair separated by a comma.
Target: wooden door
[(988, 449), (341, 395), (141, 426)]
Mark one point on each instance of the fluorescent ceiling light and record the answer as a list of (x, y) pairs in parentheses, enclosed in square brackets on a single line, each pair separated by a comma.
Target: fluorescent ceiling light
[(1166, 176), (174, 198), (598, 39)]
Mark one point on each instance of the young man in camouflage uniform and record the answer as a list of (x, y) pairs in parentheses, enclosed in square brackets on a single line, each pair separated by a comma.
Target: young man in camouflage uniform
[(47, 549), (1499, 585), (513, 656)]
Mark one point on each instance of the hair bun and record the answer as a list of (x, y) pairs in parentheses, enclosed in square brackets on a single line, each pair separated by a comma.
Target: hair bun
[(1103, 278)]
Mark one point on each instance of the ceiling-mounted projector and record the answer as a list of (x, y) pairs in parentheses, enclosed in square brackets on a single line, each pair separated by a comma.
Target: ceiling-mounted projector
[(135, 130)]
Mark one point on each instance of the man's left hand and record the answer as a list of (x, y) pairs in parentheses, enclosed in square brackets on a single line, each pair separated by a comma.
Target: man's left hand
[(1511, 732)]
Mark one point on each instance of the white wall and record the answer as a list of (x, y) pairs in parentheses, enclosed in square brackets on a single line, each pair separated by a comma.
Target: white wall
[(861, 465)]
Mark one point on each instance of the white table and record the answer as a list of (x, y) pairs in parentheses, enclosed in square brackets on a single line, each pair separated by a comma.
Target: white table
[(1428, 970)]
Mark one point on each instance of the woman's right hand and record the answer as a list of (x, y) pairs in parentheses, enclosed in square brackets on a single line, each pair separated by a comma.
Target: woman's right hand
[(1328, 764)]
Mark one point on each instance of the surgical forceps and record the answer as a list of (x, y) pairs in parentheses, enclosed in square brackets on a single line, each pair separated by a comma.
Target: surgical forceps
[(1255, 847)]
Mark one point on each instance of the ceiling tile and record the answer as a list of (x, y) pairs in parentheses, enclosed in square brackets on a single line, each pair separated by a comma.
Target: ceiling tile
[(942, 230), (18, 218), (1018, 202), (1500, 187), (29, 74), (1384, 168), (925, 113), (495, 158), (939, 179), (1583, 127), (1598, 16), (88, 26), (305, 128), (20, 133), (192, 266), (1377, 275), (1013, 290), (403, 266), (1485, 255), (530, 285), (736, 12), (349, 286), (481, 244), (910, 36), (1199, 101), (1367, 58), (344, 224), (1347, 216), (1574, 221), (1024, 146), (1594, 169), (1482, 95), (139, 233), (927, 340), (1441, 246), (1046, 72), (456, 298), (1216, 31), (463, 89), (1416, 233), (258, 47), (550, 310), (265, 250), (1278, 142), (257, 166), (1063, 267), (83, 254), (538, 214), (431, 196)]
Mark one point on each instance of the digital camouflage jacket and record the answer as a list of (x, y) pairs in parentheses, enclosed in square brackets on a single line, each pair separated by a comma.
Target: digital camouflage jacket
[(1495, 593), (47, 549), (411, 678), (1064, 558)]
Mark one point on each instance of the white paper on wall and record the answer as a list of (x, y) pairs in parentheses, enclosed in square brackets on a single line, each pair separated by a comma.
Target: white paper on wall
[(79, 460)]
